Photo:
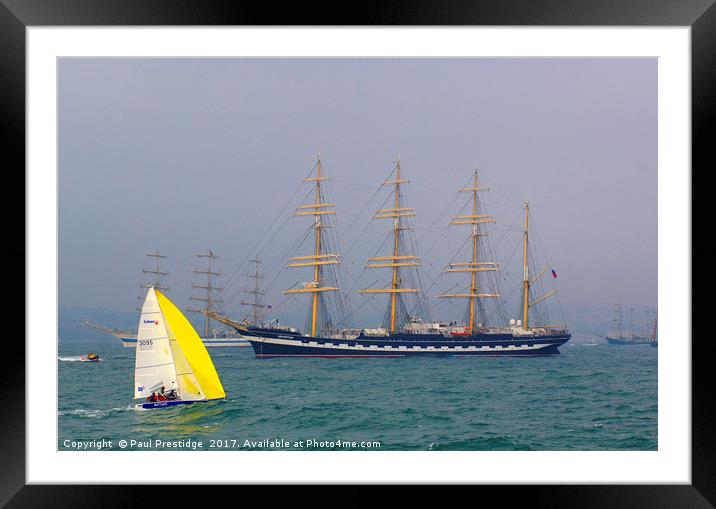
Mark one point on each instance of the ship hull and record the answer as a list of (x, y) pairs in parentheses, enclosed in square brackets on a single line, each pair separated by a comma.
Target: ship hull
[(625, 342), (225, 342), (129, 342), (407, 345)]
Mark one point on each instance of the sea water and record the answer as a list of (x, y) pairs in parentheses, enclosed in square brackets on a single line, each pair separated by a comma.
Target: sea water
[(591, 397)]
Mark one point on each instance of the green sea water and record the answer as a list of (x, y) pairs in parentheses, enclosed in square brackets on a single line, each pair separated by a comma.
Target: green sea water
[(591, 397)]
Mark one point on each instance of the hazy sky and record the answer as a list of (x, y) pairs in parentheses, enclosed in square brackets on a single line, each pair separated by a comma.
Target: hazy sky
[(189, 154)]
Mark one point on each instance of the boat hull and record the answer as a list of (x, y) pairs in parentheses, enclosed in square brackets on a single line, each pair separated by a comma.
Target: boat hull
[(407, 345), (625, 342), (166, 404)]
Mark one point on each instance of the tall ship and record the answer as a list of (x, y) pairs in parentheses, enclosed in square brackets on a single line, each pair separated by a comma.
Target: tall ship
[(627, 336), (211, 337), (129, 338), (255, 319), (402, 333)]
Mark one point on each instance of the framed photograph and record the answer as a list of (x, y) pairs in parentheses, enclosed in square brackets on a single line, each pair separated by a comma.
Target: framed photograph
[(437, 246)]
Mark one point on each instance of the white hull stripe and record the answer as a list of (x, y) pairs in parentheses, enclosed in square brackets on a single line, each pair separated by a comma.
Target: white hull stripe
[(397, 350)]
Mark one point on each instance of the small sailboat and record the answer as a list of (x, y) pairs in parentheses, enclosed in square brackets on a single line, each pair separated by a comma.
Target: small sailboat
[(172, 366)]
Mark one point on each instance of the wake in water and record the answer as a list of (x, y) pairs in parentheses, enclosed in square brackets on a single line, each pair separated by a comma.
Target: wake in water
[(93, 412), (76, 358)]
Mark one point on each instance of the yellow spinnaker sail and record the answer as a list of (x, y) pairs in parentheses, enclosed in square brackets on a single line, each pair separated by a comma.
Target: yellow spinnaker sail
[(193, 349)]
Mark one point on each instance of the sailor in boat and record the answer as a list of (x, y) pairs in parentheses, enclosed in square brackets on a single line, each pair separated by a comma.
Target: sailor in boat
[(168, 395), (162, 396)]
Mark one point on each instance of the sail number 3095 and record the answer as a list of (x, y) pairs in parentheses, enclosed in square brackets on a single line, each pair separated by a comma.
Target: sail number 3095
[(145, 343)]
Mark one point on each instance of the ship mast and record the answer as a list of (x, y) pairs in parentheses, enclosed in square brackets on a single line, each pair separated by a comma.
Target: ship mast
[(526, 271), (473, 266), (209, 300), (255, 292), (318, 259), (618, 318), (158, 274), (397, 259), (631, 323), (526, 282)]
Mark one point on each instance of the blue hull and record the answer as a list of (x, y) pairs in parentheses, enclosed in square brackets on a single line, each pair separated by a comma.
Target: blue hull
[(406, 345), (165, 404), (620, 341)]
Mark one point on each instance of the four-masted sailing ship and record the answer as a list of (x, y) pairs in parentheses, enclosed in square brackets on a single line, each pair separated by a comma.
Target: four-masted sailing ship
[(403, 333)]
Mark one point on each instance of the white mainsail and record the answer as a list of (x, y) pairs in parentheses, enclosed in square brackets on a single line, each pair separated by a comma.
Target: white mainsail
[(154, 362)]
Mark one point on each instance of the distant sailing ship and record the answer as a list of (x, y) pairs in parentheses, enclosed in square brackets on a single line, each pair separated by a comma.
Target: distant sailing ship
[(212, 337), (402, 335), (255, 320), (127, 338), (621, 337)]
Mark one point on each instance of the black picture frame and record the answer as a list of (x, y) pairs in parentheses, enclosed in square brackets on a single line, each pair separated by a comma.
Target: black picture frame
[(16, 15)]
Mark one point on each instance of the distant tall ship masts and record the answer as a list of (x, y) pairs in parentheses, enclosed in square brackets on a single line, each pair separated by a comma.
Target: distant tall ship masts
[(158, 274), (629, 337), (217, 338), (256, 293), (213, 338), (210, 300)]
